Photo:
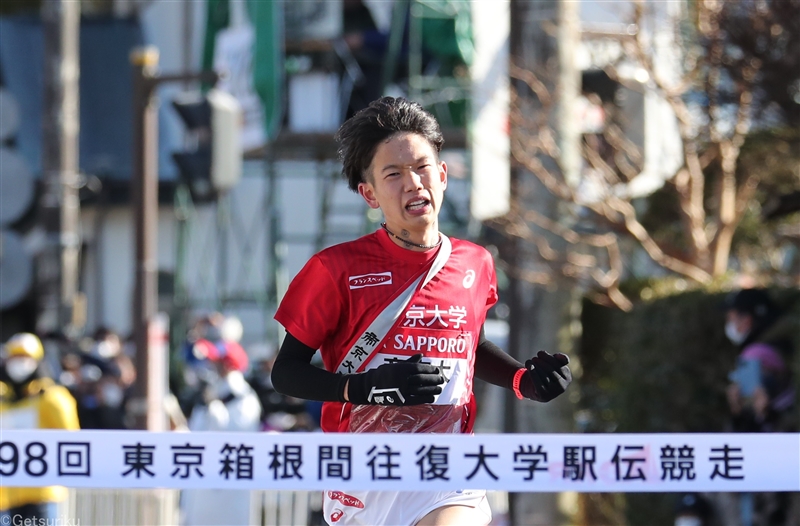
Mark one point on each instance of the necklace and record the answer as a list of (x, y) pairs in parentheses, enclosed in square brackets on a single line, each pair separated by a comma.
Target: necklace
[(409, 243)]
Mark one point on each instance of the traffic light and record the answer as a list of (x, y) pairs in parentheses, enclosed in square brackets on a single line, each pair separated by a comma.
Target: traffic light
[(215, 122)]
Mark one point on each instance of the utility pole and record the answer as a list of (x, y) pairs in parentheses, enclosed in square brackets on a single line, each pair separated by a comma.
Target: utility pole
[(150, 388), (59, 307), (569, 89), (540, 315), (149, 332)]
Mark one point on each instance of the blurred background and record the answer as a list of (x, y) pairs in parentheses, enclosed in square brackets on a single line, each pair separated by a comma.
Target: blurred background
[(167, 167)]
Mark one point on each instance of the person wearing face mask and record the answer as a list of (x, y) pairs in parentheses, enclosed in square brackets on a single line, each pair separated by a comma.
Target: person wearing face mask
[(106, 376), (230, 404), (29, 400), (103, 403), (761, 396), (108, 350)]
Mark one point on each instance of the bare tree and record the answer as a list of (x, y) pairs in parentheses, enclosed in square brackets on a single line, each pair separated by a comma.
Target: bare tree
[(715, 106)]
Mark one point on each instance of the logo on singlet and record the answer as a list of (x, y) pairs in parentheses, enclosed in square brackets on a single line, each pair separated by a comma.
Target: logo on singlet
[(370, 280), (344, 498), (469, 279)]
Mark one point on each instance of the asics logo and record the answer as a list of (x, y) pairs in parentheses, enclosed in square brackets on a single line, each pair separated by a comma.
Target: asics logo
[(370, 280), (469, 279)]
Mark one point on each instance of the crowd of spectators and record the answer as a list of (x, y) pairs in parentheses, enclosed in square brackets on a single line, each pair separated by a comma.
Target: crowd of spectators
[(99, 372), (88, 384), (216, 367)]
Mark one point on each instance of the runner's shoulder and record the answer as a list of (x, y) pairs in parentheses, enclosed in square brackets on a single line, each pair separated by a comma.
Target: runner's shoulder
[(348, 248), (470, 248)]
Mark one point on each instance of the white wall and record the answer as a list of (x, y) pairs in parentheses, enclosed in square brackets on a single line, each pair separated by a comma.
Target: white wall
[(655, 122), (108, 274), (239, 239), (489, 132)]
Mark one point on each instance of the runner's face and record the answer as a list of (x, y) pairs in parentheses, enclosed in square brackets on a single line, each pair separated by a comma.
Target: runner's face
[(407, 184)]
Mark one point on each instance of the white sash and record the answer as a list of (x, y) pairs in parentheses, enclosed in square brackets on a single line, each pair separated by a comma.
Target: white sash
[(370, 341)]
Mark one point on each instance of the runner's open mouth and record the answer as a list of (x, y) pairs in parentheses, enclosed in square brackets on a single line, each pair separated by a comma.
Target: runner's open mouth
[(416, 204)]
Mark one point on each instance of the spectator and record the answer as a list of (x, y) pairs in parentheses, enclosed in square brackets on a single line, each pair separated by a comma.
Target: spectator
[(100, 377), (229, 404), (30, 400), (368, 44), (205, 334), (108, 347), (694, 509), (198, 373), (761, 395)]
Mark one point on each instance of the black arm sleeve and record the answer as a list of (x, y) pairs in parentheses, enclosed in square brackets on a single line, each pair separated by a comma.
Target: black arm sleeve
[(294, 375), (493, 365)]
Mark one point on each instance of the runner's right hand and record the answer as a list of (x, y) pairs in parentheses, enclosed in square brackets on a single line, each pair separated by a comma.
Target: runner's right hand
[(407, 382), (547, 376)]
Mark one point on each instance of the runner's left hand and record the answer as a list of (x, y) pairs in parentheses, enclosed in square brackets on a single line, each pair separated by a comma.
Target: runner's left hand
[(547, 376)]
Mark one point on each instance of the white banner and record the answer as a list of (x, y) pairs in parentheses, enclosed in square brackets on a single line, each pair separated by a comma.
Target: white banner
[(233, 57), (315, 461)]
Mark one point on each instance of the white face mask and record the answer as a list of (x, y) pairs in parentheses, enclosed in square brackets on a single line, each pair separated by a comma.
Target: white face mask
[(688, 520), (111, 394), (733, 333), (19, 368), (106, 349)]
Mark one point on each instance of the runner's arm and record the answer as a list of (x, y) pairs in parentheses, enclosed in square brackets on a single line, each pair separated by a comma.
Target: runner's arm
[(493, 365), (546, 377), (407, 382), (294, 375)]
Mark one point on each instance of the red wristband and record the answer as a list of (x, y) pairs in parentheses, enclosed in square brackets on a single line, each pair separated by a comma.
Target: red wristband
[(515, 383)]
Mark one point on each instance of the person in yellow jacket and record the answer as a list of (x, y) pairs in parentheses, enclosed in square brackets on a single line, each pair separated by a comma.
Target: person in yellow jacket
[(29, 400)]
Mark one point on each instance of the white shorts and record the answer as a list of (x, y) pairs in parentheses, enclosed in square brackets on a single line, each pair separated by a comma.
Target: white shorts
[(395, 508)]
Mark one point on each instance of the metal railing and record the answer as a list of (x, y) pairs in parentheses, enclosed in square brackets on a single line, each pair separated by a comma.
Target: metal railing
[(161, 507), (133, 507)]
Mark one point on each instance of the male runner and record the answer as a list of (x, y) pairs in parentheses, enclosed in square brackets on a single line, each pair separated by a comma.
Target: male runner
[(398, 318)]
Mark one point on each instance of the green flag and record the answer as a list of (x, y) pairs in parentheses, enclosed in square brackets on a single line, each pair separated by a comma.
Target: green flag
[(267, 19)]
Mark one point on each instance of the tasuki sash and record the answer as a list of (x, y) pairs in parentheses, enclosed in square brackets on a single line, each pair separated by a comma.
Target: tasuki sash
[(370, 341)]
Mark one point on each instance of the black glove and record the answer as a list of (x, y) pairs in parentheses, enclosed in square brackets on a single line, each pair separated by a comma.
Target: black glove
[(547, 376), (406, 382)]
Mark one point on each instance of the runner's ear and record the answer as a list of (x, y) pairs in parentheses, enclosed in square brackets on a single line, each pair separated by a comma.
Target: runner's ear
[(366, 191)]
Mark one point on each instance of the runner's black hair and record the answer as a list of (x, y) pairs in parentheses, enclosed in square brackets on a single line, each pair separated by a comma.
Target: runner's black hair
[(361, 134)]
